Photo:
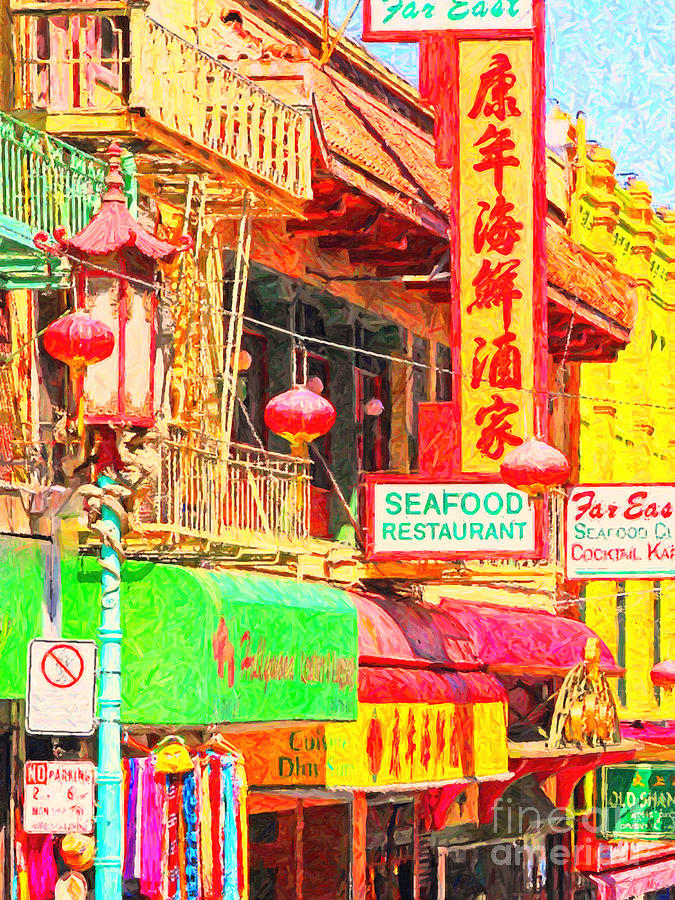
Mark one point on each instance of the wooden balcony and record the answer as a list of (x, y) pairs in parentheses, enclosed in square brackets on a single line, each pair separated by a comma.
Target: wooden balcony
[(251, 499), (91, 75)]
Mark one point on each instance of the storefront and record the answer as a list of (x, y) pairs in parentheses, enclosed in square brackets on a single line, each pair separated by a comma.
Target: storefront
[(200, 647)]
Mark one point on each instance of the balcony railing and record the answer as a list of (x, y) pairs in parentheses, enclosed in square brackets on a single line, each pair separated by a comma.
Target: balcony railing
[(79, 62), (253, 498), (44, 182)]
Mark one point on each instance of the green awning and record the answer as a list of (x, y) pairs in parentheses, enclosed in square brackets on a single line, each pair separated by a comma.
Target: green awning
[(203, 646), (23, 568)]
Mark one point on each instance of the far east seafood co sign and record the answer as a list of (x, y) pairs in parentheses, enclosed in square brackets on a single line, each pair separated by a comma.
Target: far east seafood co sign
[(408, 517), (617, 531)]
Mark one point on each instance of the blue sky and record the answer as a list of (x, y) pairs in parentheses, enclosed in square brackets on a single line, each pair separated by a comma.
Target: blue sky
[(614, 59)]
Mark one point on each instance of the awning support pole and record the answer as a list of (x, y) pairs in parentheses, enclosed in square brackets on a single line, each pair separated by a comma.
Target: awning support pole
[(359, 818)]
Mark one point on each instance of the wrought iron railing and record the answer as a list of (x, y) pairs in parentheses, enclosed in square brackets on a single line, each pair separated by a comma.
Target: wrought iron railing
[(81, 62), (252, 497), (45, 183)]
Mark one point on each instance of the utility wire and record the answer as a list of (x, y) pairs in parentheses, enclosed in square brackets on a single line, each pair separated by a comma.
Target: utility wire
[(161, 289)]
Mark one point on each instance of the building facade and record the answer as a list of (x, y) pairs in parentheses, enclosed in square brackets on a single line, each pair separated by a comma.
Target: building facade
[(398, 705)]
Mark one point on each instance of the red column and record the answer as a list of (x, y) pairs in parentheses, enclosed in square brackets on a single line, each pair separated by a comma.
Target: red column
[(359, 816)]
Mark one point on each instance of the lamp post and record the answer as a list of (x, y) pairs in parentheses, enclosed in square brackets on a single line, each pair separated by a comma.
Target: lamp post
[(109, 774), (107, 517), (114, 261)]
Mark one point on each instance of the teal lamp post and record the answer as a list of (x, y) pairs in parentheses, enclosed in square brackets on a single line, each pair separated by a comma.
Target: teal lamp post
[(109, 774), (115, 244)]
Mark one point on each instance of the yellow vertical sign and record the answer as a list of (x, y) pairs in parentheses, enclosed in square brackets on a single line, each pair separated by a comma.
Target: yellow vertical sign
[(496, 241)]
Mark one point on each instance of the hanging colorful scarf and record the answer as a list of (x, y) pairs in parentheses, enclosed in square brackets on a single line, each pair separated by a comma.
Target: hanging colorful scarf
[(174, 874), (205, 832), (182, 877), (40, 866), (130, 831), (229, 832), (191, 837), (215, 797), (151, 832), (240, 794), (164, 782), (141, 769)]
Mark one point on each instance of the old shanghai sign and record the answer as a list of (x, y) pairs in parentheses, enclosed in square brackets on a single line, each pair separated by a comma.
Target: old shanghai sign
[(409, 517), (638, 801), (387, 20), (618, 531)]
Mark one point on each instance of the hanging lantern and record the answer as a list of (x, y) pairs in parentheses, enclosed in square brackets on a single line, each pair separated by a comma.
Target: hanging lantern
[(114, 265), (299, 416), (534, 467), (79, 340), (373, 407)]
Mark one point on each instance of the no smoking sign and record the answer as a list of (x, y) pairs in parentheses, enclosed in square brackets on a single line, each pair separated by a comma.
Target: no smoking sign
[(61, 687)]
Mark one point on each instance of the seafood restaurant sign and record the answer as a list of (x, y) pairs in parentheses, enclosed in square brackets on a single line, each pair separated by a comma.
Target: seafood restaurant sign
[(617, 531), (408, 519)]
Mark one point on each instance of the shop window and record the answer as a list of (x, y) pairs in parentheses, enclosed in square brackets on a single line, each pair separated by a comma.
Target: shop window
[(443, 374), (373, 413), (249, 427), (390, 850), (318, 370), (531, 704), (420, 392), (263, 828), (621, 638)]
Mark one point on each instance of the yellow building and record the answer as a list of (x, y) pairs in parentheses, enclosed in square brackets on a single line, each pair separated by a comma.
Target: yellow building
[(627, 431)]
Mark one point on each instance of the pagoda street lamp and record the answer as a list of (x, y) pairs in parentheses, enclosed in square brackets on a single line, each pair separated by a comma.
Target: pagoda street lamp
[(114, 261)]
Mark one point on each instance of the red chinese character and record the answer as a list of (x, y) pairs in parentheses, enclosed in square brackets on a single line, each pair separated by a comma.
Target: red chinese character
[(500, 229), (497, 145), (425, 748), (494, 97), (410, 752), (505, 365), (495, 286), (395, 763), (497, 432)]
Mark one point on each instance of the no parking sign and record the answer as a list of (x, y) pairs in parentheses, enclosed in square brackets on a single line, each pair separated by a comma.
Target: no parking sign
[(61, 687)]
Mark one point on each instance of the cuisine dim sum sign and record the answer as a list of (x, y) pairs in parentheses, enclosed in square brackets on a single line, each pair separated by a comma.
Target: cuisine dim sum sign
[(409, 517), (618, 531)]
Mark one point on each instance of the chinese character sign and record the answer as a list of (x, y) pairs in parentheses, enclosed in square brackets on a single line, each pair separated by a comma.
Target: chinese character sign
[(494, 271)]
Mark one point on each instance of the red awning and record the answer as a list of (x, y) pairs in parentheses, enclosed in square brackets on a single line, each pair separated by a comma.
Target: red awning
[(650, 732), (467, 637), (406, 633), (404, 685), (523, 641), (620, 885), (663, 674)]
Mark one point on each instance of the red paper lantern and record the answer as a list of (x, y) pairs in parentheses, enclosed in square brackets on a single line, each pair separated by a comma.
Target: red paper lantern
[(534, 467), (79, 340), (299, 416)]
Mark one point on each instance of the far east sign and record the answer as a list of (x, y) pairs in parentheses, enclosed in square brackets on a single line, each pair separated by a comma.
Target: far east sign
[(638, 801), (398, 19), (61, 687), (619, 531), (409, 518)]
